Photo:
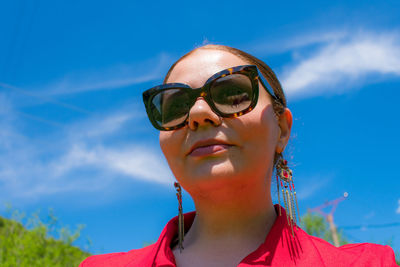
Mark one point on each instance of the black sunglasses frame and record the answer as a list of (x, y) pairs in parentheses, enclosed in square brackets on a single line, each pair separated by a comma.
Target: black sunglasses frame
[(250, 71)]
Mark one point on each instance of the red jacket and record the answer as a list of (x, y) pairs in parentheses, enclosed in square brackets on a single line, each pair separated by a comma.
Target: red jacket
[(280, 248)]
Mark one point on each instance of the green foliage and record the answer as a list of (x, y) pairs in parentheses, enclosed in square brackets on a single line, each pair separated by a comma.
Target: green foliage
[(31, 244), (316, 225)]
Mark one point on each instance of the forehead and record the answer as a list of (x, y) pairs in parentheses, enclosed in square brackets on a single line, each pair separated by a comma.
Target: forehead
[(195, 69)]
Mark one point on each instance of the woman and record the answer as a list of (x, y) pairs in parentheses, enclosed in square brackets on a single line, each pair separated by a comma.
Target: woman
[(222, 142)]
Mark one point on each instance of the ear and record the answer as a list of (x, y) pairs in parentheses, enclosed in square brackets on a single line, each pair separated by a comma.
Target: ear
[(285, 125)]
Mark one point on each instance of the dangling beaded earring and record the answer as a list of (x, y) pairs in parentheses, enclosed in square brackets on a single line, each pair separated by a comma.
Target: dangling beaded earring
[(181, 227), (285, 179)]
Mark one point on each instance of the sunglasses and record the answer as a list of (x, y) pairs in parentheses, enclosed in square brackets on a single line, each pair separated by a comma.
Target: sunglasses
[(229, 93)]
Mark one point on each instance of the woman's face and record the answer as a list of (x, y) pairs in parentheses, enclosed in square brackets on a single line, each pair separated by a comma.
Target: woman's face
[(230, 152)]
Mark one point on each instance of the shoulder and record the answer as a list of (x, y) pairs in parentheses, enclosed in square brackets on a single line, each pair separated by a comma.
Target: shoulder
[(135, 257), (368, 253), (360, 254)]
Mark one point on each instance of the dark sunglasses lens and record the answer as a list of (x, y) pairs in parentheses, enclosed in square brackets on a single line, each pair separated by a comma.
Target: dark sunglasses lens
[(232, 93), (170, 107)]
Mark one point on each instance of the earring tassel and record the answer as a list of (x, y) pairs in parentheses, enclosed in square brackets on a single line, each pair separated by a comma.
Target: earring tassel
[(279, 198), (294, 218), (181, 225), (284, 202), (290, 211), (294, 210), (181, 232), (297, 204)]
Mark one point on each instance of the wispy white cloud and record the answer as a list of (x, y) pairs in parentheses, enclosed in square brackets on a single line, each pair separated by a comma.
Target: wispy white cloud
[(398, 207), (100, 125), (133, 161), (33, 167), (279, 45), (39, 98), (58, 161), (341, 62), (117, 76)]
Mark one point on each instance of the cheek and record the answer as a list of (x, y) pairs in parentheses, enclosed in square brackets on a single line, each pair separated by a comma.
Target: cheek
[(171, 143), (167, 143), (260, 132)]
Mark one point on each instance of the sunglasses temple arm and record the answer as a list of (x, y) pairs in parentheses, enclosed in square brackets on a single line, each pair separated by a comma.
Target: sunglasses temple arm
[(268, 87)]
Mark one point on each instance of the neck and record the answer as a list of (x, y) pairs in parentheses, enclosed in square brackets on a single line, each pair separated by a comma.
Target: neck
[(244, 215)]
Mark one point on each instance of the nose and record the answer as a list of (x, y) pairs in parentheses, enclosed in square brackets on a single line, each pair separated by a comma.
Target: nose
[(201, 115)]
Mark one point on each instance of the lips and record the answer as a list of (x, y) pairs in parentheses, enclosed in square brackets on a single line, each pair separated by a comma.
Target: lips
[(208, 146)]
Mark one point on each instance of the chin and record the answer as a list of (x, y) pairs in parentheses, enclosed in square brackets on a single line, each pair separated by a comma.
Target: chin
[(212, 174), (210, 168)]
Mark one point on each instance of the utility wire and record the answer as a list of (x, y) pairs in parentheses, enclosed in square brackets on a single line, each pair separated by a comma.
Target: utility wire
[(9, 57), (359, 227), (45, 99), (39, 119), (25, 36)]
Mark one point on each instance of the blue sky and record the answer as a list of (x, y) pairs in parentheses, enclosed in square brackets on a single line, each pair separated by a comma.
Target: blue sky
[(74, 135)]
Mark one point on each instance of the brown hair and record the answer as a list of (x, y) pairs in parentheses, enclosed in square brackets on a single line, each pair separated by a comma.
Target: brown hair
[(265, 70)]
